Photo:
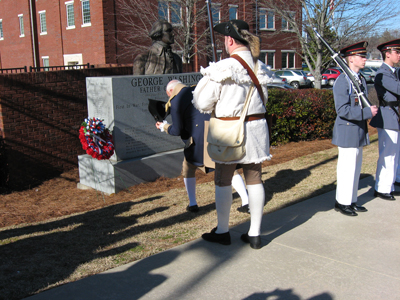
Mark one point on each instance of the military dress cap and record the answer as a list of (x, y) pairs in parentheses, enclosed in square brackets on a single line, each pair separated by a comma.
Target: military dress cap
[(391, 45), (227, 29), (359, 48)]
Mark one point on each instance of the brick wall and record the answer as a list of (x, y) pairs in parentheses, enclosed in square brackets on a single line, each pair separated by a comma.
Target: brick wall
[(40, 115)]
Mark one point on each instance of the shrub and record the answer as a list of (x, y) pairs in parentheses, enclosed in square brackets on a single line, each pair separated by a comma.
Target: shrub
[(299, 115)]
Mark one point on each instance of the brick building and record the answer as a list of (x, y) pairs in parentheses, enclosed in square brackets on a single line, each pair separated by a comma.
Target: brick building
[(66, 32)]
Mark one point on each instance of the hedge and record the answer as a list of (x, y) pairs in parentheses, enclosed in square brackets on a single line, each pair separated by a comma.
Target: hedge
[(301, 115)]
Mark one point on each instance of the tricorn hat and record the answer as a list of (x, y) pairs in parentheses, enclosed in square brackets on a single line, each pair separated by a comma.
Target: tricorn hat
[(391, 45), (227, 29), (359, 48), (157, 110)]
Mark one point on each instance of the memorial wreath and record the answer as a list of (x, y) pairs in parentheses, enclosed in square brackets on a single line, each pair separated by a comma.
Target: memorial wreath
[(96, 139)]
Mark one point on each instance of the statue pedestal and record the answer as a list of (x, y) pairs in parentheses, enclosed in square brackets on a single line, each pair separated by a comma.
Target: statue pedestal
[(112, 177), (142, 152)]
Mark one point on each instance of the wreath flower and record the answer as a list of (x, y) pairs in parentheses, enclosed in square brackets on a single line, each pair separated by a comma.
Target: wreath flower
[(96, 139)]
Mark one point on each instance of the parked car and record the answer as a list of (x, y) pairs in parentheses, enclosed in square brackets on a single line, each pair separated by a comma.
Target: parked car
[(278, 79), (294, 77), (367, 76), (331, 75), (310, 77), (370, 71), (283, 86)]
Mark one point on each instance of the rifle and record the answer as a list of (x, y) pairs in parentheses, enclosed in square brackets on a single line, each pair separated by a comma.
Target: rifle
[(343, 65), (210, 21)]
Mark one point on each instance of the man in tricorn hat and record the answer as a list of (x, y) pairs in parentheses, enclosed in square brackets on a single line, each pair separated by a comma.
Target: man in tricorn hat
[(387, 87), (159, 59), (350, 132), (223, 89)]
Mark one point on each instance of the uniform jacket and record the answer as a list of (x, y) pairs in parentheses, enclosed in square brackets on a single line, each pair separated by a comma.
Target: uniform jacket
[(188, 123), (387, 86), (350, 129), (154, 61)]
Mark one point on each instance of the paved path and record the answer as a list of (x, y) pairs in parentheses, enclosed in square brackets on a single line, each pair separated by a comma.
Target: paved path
[(309, 252)]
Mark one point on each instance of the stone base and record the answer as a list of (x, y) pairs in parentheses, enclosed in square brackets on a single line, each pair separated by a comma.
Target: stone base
[(112, 177)]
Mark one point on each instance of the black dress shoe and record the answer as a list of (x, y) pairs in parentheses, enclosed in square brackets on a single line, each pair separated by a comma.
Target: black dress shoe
[(193, 208), (385, 196), (358, 208), (345, 209), (395, 193), (397, 183), (244, 209), (254, 241), (220, 238)]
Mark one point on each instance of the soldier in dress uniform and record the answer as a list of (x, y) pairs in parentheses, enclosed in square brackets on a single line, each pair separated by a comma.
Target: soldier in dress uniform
[(350, 132), (159, 59), (387, 87), (188, 123)]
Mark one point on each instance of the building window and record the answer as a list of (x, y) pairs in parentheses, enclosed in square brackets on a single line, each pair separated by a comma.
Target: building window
[(86, 13), (267, 19), (285, 23), (268, 57), (216, 13), (288, 60), (175, 14), (1, 29), (69, 6), (233, 12), (46, 63), (21, 25), (171, 12), (42, 18)]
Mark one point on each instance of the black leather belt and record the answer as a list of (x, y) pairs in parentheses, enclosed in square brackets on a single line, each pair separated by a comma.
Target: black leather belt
[(388, 103)]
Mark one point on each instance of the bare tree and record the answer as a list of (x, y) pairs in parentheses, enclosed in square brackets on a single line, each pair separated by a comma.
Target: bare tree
[(340, 21), (136, 17)]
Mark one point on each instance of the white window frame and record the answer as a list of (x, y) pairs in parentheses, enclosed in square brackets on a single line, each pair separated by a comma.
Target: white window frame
[(67, 5), (83, 16), (236, 12), (42, 28), (266, 57), (1, 30), (44, 59), (286, 52), (264, 12), (288, 28), (21, 25), (169, 11)]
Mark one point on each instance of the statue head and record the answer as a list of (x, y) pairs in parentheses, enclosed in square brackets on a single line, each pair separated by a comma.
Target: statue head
[(162, 31)]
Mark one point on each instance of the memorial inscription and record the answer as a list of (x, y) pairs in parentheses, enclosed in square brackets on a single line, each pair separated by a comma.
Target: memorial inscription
[(122, 102)]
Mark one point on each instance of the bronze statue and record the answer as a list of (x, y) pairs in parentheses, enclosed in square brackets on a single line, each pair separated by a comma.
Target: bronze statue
[(159, 59)]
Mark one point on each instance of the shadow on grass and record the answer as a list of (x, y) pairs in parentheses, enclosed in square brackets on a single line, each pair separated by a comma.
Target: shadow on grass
[(57, 248)]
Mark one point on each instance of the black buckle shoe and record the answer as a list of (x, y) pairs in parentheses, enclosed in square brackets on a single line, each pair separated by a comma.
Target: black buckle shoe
[(193, 208), (244, 209), (220, 238), (385, 196), (345, 209), (254, 241), (358, 208)]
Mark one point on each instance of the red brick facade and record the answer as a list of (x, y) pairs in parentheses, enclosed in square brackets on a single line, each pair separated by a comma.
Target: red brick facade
[(96, 43)]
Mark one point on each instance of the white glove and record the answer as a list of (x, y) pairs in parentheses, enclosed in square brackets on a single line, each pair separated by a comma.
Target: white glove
[(162, 126)]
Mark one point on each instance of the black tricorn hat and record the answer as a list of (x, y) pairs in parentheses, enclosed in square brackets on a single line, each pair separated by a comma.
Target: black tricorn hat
[(391, 45), (359, 48), (227, 29), (157, 109)]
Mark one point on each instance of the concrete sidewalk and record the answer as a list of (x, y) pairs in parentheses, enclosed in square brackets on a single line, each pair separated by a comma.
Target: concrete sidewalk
[(309, 251)]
